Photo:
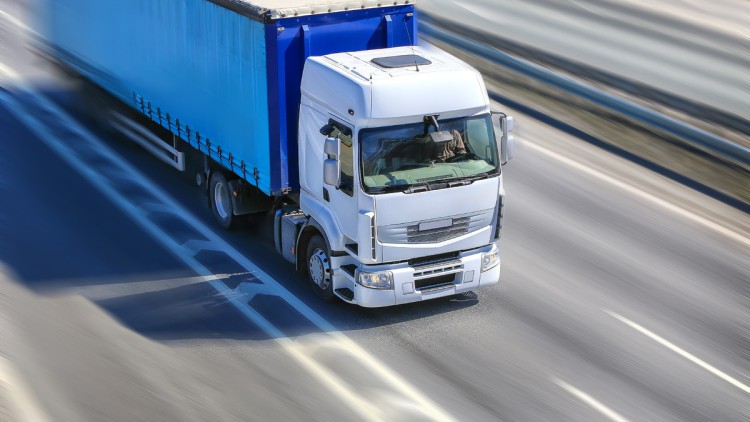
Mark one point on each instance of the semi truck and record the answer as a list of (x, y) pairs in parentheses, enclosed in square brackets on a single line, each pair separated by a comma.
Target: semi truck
[(377, 155)]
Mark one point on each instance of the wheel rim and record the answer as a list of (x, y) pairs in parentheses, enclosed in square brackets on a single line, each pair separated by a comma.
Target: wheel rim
[(319, 269), (221, 200)]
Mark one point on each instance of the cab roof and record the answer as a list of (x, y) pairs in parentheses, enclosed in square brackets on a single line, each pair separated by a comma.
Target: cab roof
[(360, 85), (395, 62)]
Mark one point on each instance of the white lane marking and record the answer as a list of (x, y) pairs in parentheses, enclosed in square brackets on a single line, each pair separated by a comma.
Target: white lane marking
[(365, 408), (10, 73), (680, 351), (640, 193), (362, 406), (586, 398), (25, 404), (113, 288), (12, 19)]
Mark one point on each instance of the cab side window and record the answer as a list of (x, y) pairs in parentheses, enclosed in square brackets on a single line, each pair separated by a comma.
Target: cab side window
[(346, 158), (343, 133)]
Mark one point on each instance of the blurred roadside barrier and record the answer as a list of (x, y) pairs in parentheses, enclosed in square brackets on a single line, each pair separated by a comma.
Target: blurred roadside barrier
[(690, 135)]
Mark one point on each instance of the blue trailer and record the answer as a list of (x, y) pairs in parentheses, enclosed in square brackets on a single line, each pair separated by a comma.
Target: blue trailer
[(379, 158), (224, 75)]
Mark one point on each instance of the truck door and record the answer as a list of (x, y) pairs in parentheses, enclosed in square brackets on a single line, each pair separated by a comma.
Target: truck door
[(343, 199)]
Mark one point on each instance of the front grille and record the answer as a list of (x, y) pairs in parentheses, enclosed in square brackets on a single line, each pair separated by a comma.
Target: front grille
[(460, 225), (432, 259), (454, 265)]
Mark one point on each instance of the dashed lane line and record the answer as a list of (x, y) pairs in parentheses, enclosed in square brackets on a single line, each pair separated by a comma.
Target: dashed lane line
[(12, 19), (687, 355), (25, 405), (589, 400), (640, 193)]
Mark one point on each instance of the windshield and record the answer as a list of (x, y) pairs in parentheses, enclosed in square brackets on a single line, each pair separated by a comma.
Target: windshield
[(415, 156)]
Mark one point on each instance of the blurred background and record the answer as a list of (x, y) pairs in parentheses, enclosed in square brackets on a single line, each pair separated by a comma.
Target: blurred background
[(625, 288)]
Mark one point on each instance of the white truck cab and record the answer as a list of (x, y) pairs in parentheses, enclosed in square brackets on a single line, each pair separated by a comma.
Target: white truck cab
[(400, 178)]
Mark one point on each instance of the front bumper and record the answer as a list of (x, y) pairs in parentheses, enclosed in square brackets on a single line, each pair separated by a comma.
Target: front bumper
[(429, 281)]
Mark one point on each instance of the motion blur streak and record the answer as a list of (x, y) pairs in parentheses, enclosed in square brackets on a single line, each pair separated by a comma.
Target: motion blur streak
[(16, 22), (365, 409), (656, 200), (8, 72), (24, 404), (682, 352), (648, 42), (604, 410)]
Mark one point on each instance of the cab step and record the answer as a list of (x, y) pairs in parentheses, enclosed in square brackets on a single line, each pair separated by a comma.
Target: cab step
[(346, 293)]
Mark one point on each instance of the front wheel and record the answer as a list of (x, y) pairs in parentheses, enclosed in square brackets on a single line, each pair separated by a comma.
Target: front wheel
[(319, 272), (221, 201)]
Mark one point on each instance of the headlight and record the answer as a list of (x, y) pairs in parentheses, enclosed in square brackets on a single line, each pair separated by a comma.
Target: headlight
[(381, 280), (490, 259)]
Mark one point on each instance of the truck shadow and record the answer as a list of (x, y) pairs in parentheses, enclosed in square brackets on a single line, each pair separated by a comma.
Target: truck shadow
[(56, 230), (351, 317), (64, 237), (198, 312), (188, 312)]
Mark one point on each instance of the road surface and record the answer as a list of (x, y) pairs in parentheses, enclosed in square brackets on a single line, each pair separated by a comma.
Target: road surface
[(624, 296)]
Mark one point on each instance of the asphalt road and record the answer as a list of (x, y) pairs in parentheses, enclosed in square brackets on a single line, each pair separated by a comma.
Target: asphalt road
[(690, 48), (624, 297)]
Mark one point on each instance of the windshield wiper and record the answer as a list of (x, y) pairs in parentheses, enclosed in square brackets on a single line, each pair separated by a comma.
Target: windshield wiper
[(387, 188), (428, 186), (460, 181), (478, 176), (418, 187)]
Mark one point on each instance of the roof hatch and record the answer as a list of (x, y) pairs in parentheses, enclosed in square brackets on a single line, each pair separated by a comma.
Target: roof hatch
[(405, 60)]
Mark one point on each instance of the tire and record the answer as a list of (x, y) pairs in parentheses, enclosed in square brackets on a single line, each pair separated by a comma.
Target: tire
[(97, 106), (318, 268), (221, 201)]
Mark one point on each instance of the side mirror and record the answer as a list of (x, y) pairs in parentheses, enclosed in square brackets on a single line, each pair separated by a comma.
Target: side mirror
[(331, 147), (331, 172), (503, 125), (331, 169), (507, 143)]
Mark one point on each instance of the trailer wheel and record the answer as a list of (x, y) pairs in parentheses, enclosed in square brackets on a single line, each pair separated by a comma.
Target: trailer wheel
[(97, 105), (221, 201), (319, 271)]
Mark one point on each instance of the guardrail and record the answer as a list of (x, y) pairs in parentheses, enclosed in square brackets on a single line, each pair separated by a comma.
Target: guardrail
[(691, 135)]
